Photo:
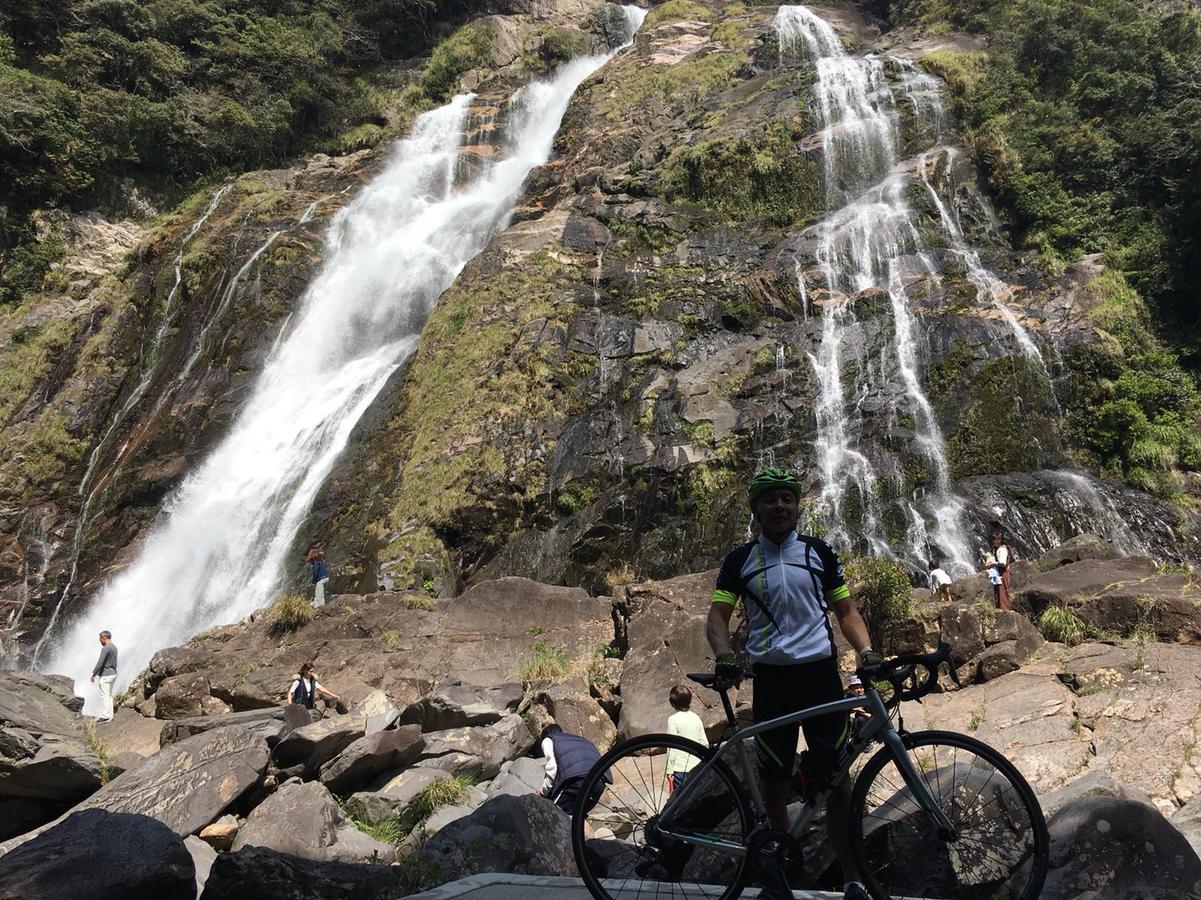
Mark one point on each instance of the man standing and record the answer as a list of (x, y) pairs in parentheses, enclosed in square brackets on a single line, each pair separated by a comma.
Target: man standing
[(320, 575), (787, 583), (106, 671)]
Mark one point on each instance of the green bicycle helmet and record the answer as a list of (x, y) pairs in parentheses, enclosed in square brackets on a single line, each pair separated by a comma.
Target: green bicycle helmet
[(772, 478)]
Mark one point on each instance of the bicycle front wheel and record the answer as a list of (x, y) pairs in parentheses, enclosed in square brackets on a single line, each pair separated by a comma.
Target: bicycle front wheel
[(998, 849), (620, 849)]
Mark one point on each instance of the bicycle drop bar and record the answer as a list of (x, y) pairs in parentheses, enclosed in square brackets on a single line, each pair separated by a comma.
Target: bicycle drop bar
[(920, 669)]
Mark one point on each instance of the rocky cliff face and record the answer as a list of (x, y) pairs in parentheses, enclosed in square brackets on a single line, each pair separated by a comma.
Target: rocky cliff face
[(589, 396)]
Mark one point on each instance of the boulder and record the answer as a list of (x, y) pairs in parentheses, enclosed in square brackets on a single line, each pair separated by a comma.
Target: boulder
[(171, 662), (521, 776), (1091, 784), (369, 756), (97, 855), (181, 696), (60, 768), (373, 705), (391, 799), (317, 742), (303, 819), (1070, 584), (203, 856), (479, 751), (272, 724), (1075, 549), (21, 814), (220, 834), (525, 835), (40, 704), (445, 815), (458, 705), (244, 690), (259, 873), (666, 636), (1187, 820), (1118, 848), (130, 732), (576, 712)]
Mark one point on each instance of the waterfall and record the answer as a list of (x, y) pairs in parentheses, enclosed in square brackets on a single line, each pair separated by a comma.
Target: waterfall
[(869, 241), (218, 550)]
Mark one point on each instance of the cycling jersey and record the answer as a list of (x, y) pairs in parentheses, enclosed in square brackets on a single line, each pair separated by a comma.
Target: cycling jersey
[(786, 589)]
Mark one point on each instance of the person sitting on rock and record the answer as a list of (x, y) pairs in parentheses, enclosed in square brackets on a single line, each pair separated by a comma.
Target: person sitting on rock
[(569, 757), (940, 581), (686, 724), (305, 689), (320, 575)]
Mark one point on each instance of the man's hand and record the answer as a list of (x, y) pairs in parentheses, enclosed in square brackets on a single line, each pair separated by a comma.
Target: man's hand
[(93, 678), (727, 670), (869, 658)]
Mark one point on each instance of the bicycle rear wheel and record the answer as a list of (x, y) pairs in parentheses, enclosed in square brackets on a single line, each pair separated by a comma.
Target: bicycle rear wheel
[(618, 848), (1000, 846)]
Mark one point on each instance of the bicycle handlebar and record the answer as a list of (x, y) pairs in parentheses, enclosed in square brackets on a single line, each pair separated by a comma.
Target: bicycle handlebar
[(921, 669)]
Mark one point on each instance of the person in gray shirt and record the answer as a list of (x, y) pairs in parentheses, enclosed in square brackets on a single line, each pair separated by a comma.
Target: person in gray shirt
[(106, 671)]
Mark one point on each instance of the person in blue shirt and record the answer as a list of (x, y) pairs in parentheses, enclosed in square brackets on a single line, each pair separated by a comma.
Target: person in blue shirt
[(320, 575)]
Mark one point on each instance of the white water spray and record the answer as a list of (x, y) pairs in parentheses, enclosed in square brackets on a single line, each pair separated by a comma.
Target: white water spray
[(218, 550)]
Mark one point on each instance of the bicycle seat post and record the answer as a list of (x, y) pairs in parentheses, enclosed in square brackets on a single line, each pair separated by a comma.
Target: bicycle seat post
[(729, 707)]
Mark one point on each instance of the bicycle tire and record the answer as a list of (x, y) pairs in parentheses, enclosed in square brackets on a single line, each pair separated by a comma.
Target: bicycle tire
[(731, 811), (1002, 848)]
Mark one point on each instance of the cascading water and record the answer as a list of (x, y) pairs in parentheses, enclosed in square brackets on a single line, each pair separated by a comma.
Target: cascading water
[(218, 551), (867, 242)]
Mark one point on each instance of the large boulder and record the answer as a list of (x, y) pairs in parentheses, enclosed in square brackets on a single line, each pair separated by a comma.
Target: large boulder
[(1106, 847), (576, 712), (458, 705), (318, 742), (303, 819), (390, 799), (259, 873), (1070, 584), (525, 835), (521, 776), (130, 732), (666, 637), (1091, 784), (97, 855), (1187, 820), (39, 703), (272, 724), (1074, 549), (479, 752), (369, 756), (181, 696)]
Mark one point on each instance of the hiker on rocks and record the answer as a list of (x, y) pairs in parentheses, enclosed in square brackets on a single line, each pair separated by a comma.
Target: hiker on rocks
[(997, 563), (686, 724), (320, 576), (786, 583), (568, 759), (106, 672), (306, 688), (940, 581)]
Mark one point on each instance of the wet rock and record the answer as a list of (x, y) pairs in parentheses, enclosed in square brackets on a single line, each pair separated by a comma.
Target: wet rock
[(303, 819), (477, 751), (259, 873), (272, 725), (1075, 549), (458, 705), (1118, 848), (525, 835), (97, 855), (369, 756)]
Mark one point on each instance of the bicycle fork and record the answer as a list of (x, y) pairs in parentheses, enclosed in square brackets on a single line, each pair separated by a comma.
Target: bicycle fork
[(917, 784)]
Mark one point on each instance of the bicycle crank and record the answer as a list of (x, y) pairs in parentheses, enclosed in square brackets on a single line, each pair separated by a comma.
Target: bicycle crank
[(774, 858)]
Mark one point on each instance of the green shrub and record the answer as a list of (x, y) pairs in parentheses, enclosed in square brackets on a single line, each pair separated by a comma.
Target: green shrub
[(468, 48), (1058, 623), (290, 612), (547, 663), (885, 597)]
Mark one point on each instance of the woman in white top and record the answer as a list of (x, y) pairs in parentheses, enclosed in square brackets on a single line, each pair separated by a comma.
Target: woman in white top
[(687, 724)]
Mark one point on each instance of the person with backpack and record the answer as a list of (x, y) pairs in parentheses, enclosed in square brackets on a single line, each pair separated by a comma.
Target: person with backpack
[(569, 757), (306, 688), (999, 562)]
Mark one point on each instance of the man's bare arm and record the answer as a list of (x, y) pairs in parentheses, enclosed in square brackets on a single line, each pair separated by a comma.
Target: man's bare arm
[(717, 629), (850, 623)]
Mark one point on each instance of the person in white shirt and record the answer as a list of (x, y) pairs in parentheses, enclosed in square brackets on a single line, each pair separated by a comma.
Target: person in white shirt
[(687, 724), (999, 562), (940, 581)]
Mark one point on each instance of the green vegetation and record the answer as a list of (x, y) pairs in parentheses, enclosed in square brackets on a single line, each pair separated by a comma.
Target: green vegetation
[(1059, 623), (166, 92), (1086, 117), (678, 10), (100, 748), (390, 638), (743, 179), (574, 496), (546, 664), (422, 602), (681, 84), (885, 597), (290, 612)]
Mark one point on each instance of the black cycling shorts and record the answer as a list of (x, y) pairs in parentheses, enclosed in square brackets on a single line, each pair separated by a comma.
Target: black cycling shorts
[(780, 690)]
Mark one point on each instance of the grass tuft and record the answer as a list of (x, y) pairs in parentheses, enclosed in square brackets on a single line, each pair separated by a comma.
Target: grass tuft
[(1058, 623), (547, 663), (290, 612)]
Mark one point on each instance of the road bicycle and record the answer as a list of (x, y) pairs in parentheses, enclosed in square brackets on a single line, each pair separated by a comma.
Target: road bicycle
[(933, 814)]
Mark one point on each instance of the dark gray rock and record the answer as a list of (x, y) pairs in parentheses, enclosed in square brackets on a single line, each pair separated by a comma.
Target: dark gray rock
[(303, 819), (259, 873), (1119, 848), (369, 756), (521, 776), (1187, 820), (1074, 549), (390, 799), (318, 742), (458, 705), (272, 725), (60, 768), (39, 703), (1092, 784), (577, 712), (525, 835), (97, 855), (181, 696), (478, 751)]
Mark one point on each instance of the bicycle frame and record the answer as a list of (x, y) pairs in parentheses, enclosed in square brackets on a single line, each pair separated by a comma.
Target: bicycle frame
[(877, 727)]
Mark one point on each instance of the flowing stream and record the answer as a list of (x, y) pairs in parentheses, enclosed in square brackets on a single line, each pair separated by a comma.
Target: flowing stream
[(218, 550)]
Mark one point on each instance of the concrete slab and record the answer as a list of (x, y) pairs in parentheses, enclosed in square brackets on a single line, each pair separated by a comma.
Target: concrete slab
[(499, 886)]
